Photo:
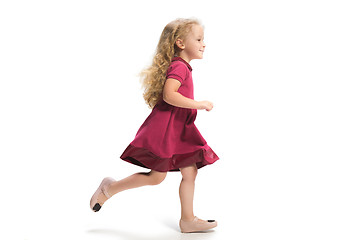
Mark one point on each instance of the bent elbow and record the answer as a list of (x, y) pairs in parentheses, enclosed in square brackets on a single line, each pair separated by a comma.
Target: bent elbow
[(166, 97)]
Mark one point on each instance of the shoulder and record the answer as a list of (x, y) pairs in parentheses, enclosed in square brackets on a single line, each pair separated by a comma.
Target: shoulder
[(179, 66), (178, 70)]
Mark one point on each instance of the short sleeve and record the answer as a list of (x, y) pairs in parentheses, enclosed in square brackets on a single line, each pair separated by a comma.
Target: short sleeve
[(177, 70)]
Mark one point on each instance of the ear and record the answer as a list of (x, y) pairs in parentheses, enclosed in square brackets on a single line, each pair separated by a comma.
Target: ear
[(180, 43)]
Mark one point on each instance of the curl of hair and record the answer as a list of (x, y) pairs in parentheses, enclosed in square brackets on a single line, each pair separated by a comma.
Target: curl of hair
[(153, 78)]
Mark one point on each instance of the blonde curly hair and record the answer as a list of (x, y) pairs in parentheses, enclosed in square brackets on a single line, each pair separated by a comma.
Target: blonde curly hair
[(153, 78)]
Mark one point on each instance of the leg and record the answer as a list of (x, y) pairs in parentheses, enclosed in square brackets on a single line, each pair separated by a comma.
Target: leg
[(186, 192), (134, 181), (137, 180), (188, 222)]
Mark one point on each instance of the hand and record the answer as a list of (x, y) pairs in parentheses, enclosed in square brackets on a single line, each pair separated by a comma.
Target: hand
[(205, 105)]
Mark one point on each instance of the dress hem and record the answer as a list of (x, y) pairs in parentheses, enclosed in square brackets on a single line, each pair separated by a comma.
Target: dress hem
[(144, 158)]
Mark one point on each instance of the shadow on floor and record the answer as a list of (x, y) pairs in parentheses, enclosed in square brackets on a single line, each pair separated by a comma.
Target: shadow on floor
[(176, 235)]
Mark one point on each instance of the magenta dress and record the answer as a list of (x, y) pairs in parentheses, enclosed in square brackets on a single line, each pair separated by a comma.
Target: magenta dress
[(168, 139)]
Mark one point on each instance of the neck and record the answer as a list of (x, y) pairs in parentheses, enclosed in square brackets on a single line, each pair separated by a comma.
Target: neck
[(186, 58)]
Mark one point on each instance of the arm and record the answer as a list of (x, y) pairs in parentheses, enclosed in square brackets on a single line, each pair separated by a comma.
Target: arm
[(173, 97)]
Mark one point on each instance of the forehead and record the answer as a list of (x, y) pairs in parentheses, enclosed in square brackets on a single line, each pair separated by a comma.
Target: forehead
[(197, 30)]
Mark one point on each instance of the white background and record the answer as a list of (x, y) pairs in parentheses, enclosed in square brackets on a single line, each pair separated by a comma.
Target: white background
[(284, 79)]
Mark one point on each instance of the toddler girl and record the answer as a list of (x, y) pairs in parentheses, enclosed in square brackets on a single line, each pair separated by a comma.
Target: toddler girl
[(168, 140)]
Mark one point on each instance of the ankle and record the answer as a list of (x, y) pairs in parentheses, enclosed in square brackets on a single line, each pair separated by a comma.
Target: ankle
[(188, 218)]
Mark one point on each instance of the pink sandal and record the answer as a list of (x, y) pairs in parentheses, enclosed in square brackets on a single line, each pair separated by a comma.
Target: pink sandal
[(196, 225), (94, 204)]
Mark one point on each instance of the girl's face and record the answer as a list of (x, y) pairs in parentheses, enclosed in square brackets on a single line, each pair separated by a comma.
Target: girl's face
[(193, 45)]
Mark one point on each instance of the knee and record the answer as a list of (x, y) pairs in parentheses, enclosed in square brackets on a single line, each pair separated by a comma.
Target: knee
[(157, 178), (189, 174)]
